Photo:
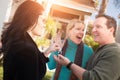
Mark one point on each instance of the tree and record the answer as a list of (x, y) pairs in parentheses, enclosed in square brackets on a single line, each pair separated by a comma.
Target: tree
[(52, 26), (103, 7)]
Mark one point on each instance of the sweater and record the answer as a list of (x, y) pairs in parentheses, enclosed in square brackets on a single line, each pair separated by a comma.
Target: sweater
[(70, 54), (105, 64)]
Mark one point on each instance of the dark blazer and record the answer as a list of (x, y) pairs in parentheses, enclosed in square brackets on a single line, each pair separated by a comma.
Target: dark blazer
[(24, 61)]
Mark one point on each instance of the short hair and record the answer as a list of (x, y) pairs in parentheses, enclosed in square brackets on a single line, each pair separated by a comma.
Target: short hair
[(111, 22)]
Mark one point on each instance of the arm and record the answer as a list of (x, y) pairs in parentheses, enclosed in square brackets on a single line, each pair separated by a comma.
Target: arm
[(52, 47), (55, 45), (78, 71), (52, 63), (106, 67)]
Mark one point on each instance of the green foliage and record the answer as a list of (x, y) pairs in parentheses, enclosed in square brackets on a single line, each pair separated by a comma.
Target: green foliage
[(42, 42), (52, 26), (51, 29), (89, 29), (48, 75), (89, 38), (90, 42), (1, 73)]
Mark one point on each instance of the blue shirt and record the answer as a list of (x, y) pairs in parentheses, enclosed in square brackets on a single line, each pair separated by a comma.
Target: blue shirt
[(70, 54)]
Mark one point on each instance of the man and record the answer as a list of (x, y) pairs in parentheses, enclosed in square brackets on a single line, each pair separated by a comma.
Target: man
[(104, 65)]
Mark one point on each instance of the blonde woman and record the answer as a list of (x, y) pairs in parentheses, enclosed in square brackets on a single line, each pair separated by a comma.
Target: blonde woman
[(74, 49)]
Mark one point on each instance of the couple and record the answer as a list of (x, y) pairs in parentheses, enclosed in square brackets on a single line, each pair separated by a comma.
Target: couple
[(104, 64)]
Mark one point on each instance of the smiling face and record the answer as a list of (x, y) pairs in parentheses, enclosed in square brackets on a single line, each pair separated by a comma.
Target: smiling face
[(76, 33), (102, 34)]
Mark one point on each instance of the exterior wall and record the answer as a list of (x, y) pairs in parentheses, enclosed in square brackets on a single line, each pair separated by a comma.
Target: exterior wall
[(15, 4), (65, 10), (3, 10), (86, 2), (7, 9)]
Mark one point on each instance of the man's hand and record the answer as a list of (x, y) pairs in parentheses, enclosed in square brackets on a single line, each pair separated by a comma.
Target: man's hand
[(61, 60)]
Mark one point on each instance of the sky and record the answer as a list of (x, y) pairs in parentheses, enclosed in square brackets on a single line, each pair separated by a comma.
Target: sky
[(110, 10)]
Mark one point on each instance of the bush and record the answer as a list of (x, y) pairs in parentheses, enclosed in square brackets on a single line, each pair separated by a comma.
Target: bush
[(90, 42), (48, 75), (1, 73)]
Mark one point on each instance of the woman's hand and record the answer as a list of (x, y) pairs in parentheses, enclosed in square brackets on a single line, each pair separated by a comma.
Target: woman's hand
[(52, 47), (61, 60), (56, 44)]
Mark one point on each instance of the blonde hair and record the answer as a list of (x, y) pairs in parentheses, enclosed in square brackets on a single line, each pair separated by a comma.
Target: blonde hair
[(71, 25)]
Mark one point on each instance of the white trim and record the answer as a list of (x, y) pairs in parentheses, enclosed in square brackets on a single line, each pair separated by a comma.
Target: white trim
[(87, 18), (61, 19), (74, 5)]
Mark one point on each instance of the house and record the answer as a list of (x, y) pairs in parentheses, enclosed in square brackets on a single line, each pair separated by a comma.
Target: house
[(65, 10)]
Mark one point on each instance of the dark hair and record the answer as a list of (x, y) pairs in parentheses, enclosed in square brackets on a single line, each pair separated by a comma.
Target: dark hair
[(111, 22), (24, 18)]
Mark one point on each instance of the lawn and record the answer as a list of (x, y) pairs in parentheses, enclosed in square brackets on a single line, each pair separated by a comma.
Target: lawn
[(47, 76), (1, 73)]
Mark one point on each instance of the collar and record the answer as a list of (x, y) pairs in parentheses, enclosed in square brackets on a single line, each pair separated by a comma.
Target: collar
[(71, 43)]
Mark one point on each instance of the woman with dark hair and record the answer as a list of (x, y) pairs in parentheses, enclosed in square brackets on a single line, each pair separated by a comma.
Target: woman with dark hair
[(22, 58)]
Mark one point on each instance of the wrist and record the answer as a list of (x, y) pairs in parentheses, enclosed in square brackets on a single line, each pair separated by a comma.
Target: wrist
[(69, 65), (47, 52)]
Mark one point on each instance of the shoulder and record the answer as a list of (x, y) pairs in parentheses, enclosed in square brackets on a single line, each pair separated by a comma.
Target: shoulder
[(112, 49), (88, 51), (86, 47), (23, 45)]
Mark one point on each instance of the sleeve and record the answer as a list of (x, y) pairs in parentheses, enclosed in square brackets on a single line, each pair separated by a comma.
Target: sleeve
[(52, 63), (107, 67), (46, 59)]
